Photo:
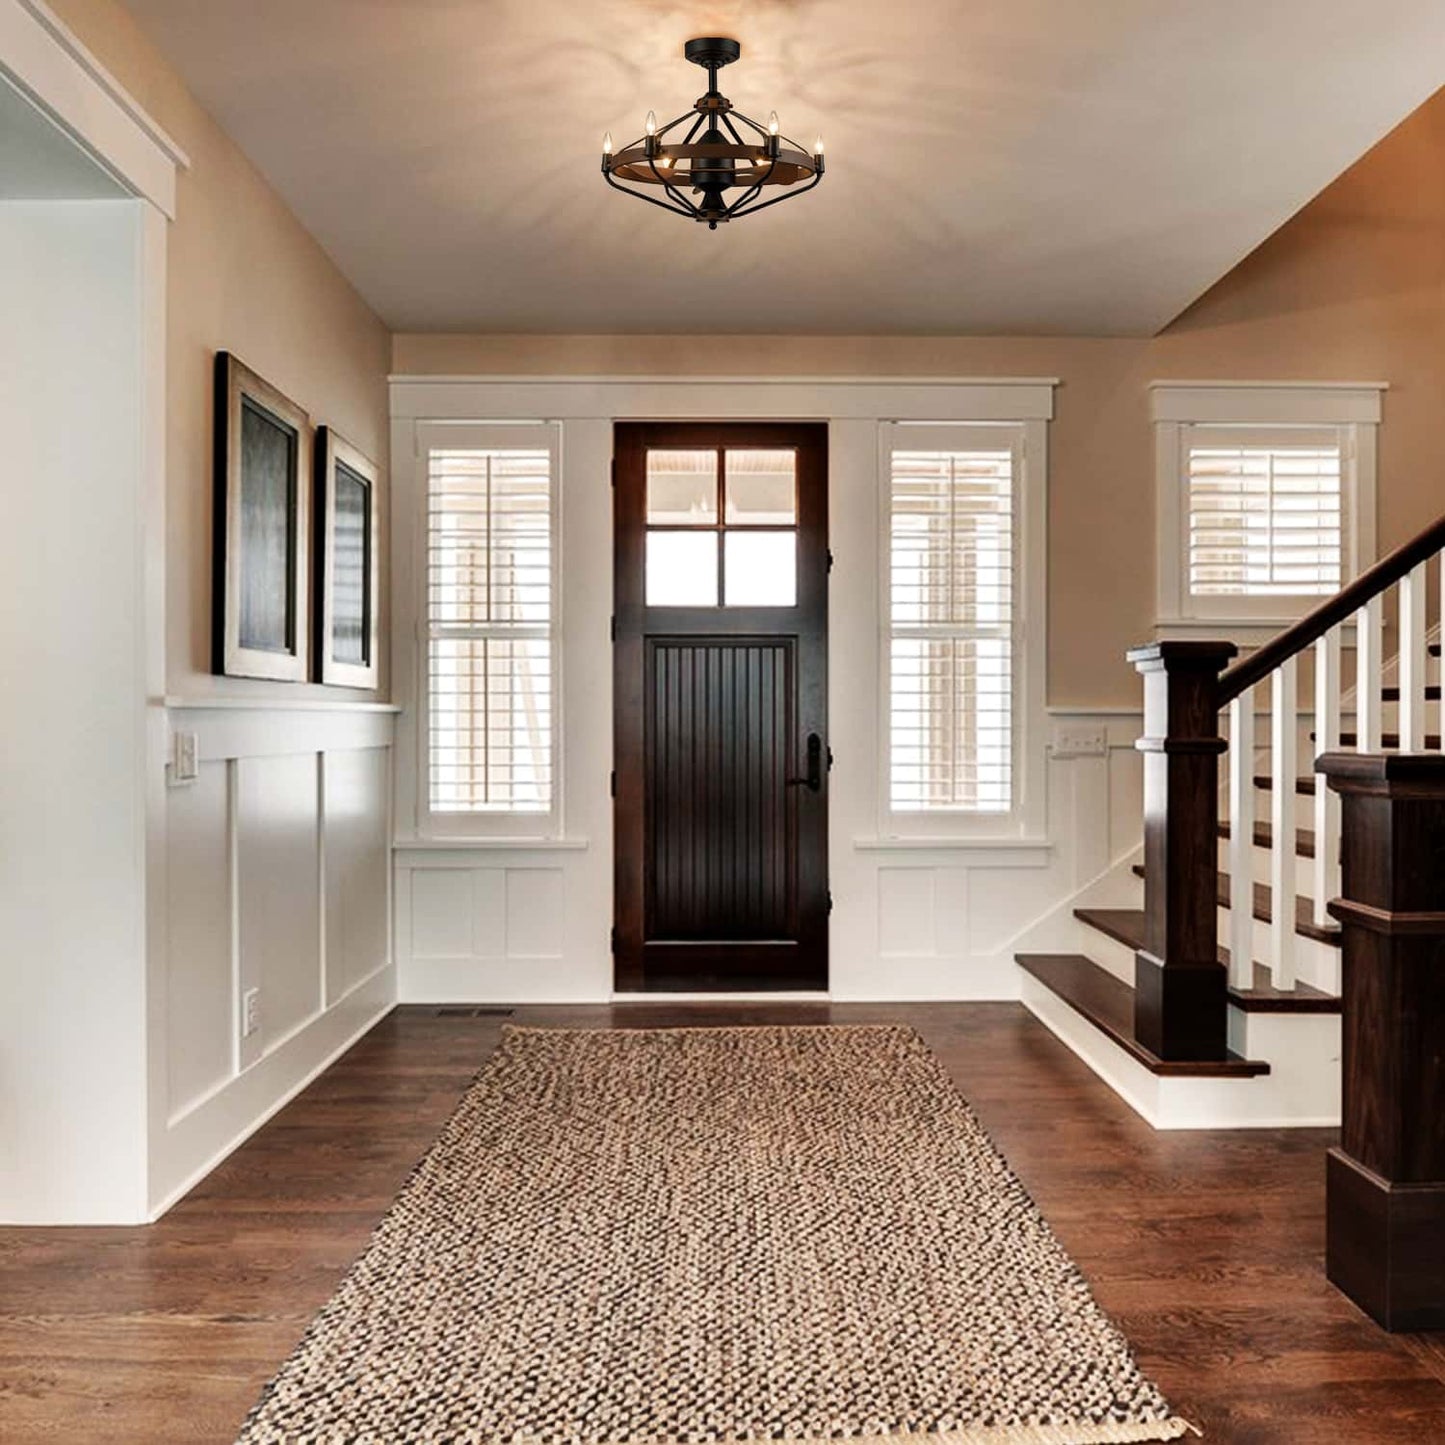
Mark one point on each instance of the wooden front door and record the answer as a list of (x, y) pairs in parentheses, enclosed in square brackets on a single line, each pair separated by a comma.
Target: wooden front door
[(721, 694)]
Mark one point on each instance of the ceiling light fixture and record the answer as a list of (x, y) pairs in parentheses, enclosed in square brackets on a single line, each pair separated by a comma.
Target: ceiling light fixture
[(714, 149)]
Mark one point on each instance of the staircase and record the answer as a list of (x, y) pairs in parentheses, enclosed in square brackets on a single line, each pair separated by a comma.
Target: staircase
[(1213, 997)]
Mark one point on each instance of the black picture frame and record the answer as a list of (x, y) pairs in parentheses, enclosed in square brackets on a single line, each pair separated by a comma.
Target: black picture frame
[(262, 528), (347, 572)]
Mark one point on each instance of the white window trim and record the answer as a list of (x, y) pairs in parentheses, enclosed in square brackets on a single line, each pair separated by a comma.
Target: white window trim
[(1350, 408), (499, 824), (1027, 819), (585, 407)]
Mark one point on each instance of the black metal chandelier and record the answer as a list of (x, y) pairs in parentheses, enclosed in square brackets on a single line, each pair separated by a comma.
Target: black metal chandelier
[(714, 150)]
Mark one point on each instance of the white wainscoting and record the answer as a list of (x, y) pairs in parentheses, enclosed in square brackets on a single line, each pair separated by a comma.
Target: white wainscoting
[(277, 879), (915, 919), (912, 920), (501, 924)]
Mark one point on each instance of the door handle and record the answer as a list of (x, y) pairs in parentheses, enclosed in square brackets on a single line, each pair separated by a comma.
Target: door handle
[(813, 781)]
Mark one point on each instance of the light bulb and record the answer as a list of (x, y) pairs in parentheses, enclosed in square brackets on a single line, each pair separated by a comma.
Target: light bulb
[(607, 144), (773, 123), (664, 162), (652, 122), (818, 146)]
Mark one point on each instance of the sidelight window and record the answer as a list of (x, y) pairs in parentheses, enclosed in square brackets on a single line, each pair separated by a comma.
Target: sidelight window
[(952, 560), (491, 621)]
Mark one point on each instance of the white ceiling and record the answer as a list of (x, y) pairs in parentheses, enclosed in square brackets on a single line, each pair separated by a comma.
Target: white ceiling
[(1026, 166)]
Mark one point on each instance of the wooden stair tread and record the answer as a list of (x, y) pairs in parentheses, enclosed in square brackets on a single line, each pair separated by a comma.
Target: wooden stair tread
[(1126, 926), (1392, 694), (1108, 1003), (1123, 925), (1301, 785), (1304, 908), (1304, 839), (1387, 740)]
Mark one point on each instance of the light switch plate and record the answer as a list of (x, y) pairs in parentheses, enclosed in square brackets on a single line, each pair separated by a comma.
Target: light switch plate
[(185, 757), (1081, 740), (250, 1012)]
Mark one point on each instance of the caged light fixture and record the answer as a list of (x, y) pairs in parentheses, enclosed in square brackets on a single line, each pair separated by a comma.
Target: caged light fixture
[(712, 150)]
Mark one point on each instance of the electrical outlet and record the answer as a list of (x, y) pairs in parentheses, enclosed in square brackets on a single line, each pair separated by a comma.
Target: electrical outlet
[(185, 757), (250, 1012), (1081, 740)]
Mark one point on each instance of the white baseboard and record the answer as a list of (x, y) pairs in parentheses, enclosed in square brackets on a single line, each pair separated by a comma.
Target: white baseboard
[(197, 1142)]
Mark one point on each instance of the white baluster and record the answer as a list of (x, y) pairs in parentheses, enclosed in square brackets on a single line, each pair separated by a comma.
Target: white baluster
[(1413, 652), (1369, 638), (1284, 747), (1326, 868), (1241, 840), (1440, 638)]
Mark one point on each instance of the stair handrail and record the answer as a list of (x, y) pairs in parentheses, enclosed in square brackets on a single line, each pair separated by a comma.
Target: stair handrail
[(1374, 580), (1200, 706)]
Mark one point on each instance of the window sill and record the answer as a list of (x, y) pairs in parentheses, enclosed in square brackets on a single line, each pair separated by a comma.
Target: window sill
[(489, 845), (1248, 631), (1007, 851)]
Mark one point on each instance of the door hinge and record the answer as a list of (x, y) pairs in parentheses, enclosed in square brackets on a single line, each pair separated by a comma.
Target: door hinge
[(830, 900), (613, 628), (830, 760), (830, 559), (612, 784), (614, 471), (612, 940)]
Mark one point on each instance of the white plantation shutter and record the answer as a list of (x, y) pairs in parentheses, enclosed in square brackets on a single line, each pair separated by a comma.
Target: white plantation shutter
[(950, 594), (491, 630), (1265, 511)]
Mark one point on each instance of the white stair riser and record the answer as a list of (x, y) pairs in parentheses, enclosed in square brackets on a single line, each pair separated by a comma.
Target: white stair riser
[(1107, 952), (1301, 1089), (1303, 1052), (1317, 964)]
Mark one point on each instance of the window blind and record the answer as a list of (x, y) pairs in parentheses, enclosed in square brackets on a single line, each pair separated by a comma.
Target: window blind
[(950, 618), (1265, 517), (491, 641)]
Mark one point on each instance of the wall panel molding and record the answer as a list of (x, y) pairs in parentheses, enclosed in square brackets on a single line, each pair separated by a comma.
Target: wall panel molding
[(278, 878)]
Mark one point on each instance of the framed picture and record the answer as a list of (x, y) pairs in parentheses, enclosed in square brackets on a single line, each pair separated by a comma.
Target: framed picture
[(346, 565), (263, 507)]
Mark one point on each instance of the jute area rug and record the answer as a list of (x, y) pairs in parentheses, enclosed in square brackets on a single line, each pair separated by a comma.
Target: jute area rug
[(712, 1235)]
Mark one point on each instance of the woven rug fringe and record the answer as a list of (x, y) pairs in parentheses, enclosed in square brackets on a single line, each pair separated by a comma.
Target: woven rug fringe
[(1131, 1433)]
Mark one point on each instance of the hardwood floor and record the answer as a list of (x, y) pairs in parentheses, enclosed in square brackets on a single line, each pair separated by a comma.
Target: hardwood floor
[(1207, 1249)]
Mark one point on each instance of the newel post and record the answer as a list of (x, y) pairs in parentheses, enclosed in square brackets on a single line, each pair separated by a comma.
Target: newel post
[(1385, 1184), (1180, 986)]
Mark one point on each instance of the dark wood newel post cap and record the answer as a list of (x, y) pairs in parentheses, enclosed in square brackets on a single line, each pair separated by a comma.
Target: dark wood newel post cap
[(1399, 775), (1176, 656)]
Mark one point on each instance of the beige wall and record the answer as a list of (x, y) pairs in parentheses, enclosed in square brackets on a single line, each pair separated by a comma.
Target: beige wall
[(1352, 289), (244, 276)]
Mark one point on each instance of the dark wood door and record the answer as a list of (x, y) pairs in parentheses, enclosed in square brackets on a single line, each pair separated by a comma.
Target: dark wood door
[(721, 692)]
